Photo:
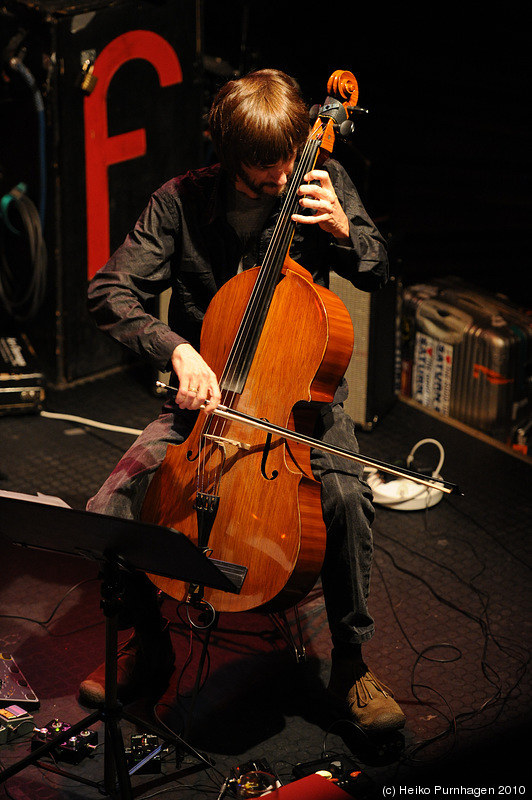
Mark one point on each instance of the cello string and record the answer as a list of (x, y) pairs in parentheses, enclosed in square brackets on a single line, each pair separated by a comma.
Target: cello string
[(270, 271), (209, 472), (268, 276), (285, 227), (256, 300), (266, 281)]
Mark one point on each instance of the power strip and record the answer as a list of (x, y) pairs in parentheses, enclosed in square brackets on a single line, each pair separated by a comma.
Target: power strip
[(402, 494)]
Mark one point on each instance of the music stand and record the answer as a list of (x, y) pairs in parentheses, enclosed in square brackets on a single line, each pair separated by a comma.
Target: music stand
[(116, 544)]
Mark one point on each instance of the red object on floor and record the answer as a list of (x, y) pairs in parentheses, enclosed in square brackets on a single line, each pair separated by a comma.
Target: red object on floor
[(313, 787)]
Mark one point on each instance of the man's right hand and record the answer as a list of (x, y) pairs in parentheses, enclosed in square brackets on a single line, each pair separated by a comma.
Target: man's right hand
[(198, 384)]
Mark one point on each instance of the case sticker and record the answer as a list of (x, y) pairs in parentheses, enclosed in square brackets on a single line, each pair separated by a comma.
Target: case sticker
[(431, 373)]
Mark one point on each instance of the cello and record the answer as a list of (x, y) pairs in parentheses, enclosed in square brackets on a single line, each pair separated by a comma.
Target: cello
[(241, 494)]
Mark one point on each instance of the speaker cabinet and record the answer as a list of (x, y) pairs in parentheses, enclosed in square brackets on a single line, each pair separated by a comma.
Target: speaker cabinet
[(121, 88), (372, 373)]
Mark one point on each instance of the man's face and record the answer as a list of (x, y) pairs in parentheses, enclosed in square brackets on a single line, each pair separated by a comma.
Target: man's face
[(270, 179)]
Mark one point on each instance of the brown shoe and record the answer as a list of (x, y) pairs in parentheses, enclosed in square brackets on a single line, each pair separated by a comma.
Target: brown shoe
[(144, 666), (369, 702)]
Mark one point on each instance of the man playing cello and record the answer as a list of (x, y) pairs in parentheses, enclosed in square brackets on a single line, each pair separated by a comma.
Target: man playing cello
[(197, 232)]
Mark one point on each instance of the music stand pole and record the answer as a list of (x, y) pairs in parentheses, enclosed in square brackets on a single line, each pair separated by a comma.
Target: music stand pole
[(115, 763)]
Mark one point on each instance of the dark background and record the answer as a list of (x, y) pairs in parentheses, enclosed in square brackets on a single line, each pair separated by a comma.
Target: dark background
[(443, 158)]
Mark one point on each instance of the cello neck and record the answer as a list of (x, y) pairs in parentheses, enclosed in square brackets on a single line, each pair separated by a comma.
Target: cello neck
[(284, 230), (245, 344)]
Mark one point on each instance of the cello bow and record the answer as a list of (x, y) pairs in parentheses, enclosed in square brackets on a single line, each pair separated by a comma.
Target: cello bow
[(446, 487)]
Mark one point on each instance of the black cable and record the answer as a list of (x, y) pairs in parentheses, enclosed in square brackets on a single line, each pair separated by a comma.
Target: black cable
[(17, 64), (516, 652), (22, 274), (46, 622), (193, 633), (456, 507)]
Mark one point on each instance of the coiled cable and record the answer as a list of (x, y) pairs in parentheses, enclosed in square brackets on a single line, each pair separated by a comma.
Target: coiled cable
[(23, 255), (18, 66), (22, 267)]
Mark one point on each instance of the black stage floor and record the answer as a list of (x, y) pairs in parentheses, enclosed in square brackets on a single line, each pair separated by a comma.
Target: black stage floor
[(450, 594)]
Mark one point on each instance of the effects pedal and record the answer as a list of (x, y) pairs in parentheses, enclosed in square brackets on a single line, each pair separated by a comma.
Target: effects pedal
[(73, 750), (144, 748), (14, 722), (14, 687), (229, 787), (257, 765)]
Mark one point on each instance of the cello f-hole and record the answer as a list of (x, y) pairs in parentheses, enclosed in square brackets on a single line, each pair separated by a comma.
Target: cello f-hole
[(265, 453)]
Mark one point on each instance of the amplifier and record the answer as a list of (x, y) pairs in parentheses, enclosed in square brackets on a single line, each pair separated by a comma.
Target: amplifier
[(22, 384), (372, 372)]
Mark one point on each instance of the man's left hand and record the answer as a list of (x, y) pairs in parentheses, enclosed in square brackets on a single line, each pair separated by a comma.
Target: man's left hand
[(321, 198)]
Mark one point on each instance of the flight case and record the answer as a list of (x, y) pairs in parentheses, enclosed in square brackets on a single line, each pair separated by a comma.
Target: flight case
[(467, 354), (22, 383)]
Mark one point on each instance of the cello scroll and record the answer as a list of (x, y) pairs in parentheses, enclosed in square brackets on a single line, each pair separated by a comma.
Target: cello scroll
[(344, 84), (335, 118)]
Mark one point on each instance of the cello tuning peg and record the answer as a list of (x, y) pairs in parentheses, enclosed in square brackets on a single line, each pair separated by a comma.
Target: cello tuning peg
[(346, 128), (313, 113), (353, 110)]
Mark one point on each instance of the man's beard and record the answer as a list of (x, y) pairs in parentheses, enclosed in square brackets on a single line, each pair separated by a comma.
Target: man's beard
[(260, 188)]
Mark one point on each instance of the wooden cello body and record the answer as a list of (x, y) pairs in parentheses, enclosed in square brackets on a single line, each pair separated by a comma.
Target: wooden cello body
[(279, 345)]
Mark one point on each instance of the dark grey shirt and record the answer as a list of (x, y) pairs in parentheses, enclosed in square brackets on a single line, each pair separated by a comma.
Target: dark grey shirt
[(184, 241)]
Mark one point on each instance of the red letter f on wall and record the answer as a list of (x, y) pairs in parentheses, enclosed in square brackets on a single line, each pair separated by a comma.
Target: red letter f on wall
[(101, 150)]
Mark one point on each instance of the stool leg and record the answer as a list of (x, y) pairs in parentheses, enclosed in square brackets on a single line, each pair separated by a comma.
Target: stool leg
[(280, 620)]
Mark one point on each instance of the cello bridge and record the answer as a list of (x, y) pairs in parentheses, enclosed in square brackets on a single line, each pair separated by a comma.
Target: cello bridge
[(223, 441)]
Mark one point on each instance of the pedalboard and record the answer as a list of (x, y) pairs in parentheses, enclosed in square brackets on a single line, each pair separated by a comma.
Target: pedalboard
[(73, 750), (14, 688)]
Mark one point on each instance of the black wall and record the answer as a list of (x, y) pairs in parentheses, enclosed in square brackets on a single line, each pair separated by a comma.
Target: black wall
[(443, 158)]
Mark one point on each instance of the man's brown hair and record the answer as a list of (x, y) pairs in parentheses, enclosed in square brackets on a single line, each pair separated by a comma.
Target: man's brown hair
[(258, 120)]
